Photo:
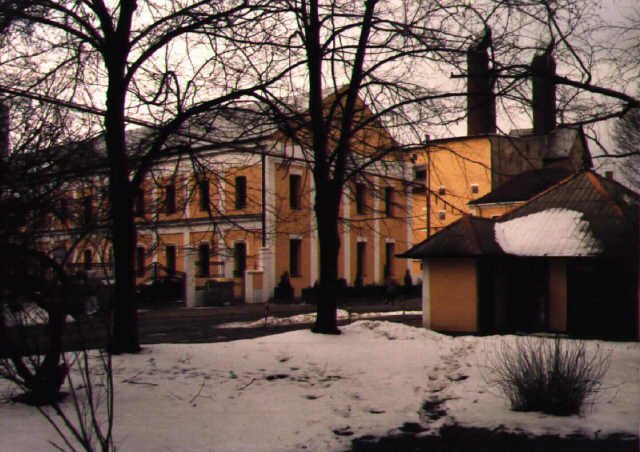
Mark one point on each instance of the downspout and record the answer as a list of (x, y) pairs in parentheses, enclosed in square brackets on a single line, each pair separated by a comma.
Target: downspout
[(428, 184), (263, 215)]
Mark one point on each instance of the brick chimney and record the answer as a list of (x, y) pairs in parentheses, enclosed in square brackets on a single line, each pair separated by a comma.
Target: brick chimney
[(481, 103), (543, 69), (4, 130)]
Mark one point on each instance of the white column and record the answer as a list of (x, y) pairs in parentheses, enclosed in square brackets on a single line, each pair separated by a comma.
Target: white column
[(189, 277), (377, 236), (426, 296), (346, 243)]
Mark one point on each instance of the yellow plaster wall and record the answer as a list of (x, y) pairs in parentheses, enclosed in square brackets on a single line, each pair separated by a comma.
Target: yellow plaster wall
[(454, 299), (456, 165)]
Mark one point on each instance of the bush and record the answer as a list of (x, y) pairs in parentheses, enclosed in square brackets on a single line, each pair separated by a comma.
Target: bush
[(551, 376)]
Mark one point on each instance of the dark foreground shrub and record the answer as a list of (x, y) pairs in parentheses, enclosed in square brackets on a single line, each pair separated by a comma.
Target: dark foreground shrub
[(551, 376)]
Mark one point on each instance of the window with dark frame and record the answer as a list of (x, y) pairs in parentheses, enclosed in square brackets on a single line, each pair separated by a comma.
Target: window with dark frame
[(295, 191), (442, 215), (361, 190), (170, 198), (475, 189), (361, 255), (295, 248), (239, 259), (389, 250), (388, 201), (442, 191), (241, 192), (139, 206), (170, 254), (203, 191), (203, 259), (140, 261)]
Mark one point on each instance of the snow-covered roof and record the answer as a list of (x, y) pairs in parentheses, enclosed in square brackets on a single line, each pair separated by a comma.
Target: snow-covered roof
[(566, 233), (584, 215)]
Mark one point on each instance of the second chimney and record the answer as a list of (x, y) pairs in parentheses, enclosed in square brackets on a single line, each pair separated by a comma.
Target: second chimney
[(481, 103), (543, 69)]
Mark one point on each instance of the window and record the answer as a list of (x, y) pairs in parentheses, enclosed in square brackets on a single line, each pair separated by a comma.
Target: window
[(442, 215), (139, 261), (295, 191), (389, 251), (170, 255), (88, 257), (87, 209), (203, 191), (420, 173), (239, 259), (388, 201), (170, 198), (475, 189), (442, 191), (360, 197), (139, 206), (203, 260), (361, 251), (295, 247), (241, 192)]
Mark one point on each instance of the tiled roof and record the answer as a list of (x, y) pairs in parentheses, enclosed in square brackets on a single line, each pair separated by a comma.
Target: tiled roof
[(469, 236), (524, 186), (583, 215)]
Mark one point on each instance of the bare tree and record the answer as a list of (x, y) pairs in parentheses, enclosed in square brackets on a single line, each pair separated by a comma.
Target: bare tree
[(125, 53)]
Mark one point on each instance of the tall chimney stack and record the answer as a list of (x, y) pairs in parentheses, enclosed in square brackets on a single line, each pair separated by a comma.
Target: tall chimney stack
[(481, 103), (543, 69)]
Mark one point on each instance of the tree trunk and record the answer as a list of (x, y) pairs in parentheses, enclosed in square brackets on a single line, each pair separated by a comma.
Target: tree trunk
[(124, 321), (326, 210)]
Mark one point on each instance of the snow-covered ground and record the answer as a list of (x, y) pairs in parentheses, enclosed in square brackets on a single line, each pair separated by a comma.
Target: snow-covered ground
[(303, 391)]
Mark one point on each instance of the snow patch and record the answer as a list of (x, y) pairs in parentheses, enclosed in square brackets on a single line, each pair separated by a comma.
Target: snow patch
[(552, 232)]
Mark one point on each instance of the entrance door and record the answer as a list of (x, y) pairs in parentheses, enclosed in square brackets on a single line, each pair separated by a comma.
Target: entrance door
[(528, 289), (239, 267)]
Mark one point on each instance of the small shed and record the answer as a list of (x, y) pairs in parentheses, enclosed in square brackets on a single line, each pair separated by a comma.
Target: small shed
[(566, 261)]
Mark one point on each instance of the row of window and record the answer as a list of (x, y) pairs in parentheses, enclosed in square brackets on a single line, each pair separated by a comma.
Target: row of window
[(204, 197), (361, 196), (240, 191), (240, 259)]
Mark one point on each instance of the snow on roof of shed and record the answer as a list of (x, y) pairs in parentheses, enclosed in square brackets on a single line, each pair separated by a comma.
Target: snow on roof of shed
[(566, 233)]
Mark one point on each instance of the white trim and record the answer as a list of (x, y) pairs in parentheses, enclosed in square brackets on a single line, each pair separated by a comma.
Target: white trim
[(426, 296), (347, 238), (377, 272)]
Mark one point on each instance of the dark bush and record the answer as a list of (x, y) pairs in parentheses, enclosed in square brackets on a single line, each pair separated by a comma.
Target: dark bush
[(551, 376)]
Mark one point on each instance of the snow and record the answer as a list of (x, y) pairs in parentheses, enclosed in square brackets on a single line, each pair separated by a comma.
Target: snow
[(307, 319), (294, 391), (551, 232)]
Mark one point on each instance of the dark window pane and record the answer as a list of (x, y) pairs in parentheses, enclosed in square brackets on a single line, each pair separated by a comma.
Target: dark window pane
[(170, 252), (360, 197), (240, 259), (203, 190), (203, 260), (140, 261), (295, 185), (170, 198), (295, 249), (388, 201), (241, 192)]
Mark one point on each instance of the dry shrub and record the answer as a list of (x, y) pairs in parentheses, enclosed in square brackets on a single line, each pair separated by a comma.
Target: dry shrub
[(552, 376)]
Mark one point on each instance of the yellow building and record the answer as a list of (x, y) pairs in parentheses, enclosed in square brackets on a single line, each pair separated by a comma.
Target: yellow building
[(245, 217)]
